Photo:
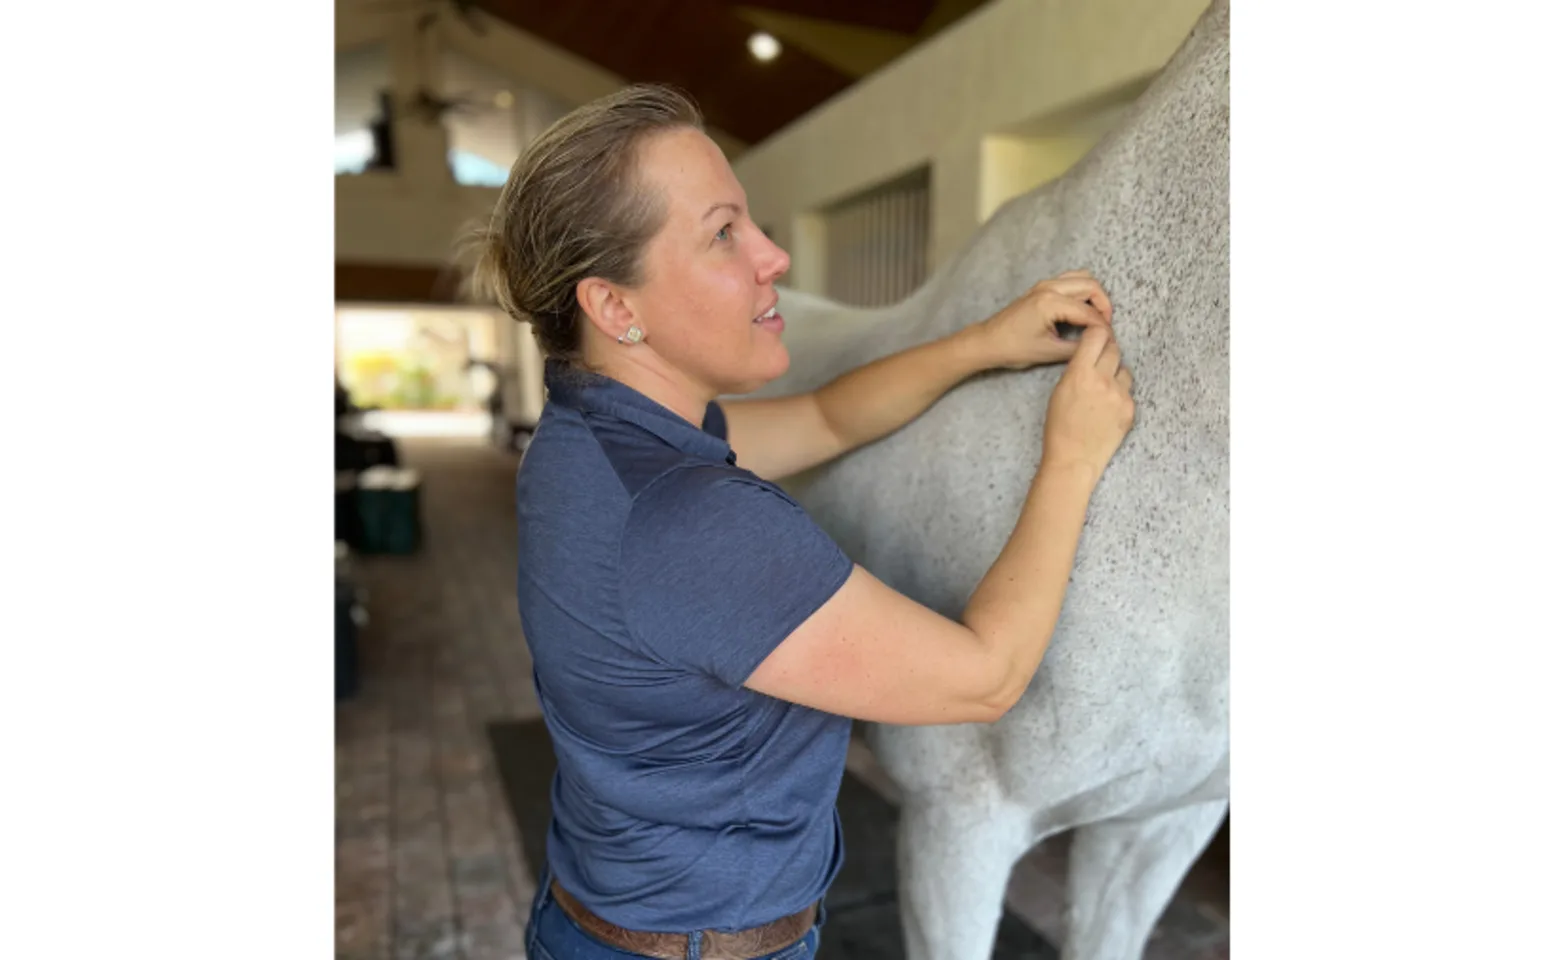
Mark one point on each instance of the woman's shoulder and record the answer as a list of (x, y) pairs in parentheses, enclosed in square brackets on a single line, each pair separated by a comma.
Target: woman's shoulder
[(706, 484), (699, 501)]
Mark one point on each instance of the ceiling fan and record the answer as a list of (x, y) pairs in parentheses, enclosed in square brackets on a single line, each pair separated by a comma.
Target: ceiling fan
[(427, 104), (431, 107)]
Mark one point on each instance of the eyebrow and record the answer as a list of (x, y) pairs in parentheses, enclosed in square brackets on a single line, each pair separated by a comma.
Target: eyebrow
[(718, 206)]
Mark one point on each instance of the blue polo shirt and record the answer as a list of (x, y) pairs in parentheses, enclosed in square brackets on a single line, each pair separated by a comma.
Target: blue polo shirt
[(655, 574)]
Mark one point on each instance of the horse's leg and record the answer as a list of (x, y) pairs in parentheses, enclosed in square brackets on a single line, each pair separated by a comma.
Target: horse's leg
[(954, 856), (1124, 871)]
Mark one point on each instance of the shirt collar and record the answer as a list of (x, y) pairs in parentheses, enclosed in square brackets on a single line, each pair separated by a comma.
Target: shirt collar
[(583, 390)]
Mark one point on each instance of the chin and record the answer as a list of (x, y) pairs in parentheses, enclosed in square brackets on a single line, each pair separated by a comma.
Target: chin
[(783, 362), (776, 366), (773, 368)]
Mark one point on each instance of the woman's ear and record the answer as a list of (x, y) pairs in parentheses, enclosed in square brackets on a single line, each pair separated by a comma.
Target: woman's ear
[(605, 307)]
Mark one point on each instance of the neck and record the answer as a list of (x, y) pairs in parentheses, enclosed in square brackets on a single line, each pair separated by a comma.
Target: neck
[(640, 369)]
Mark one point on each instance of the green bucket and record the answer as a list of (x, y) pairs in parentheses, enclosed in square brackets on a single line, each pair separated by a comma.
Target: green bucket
[(389, 518)]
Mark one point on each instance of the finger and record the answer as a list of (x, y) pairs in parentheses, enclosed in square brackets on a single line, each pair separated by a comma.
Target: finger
[(1067, 275), (1102, 303), (1098, 298), (1072, 311), (1075, 286), (1124, 379), (1061, 350), (1093, 342), (1108, 361), (1085, 289)]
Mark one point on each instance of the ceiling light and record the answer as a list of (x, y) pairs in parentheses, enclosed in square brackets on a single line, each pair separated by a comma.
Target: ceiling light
[(764, 46), (503, 99)]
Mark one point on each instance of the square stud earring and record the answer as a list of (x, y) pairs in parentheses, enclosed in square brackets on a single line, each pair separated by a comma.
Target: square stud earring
[(632, 335)]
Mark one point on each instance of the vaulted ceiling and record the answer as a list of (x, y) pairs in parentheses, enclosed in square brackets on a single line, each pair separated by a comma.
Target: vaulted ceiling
[(702, 46)]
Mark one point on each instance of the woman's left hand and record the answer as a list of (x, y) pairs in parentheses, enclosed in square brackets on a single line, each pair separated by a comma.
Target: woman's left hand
[(1026, 332)]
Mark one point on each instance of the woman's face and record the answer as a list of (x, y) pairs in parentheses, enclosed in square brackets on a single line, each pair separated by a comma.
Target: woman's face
[(708, 274)]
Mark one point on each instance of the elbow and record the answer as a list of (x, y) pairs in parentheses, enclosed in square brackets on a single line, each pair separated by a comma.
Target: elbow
[(1002, 694), (994, 707), (1008, 681)]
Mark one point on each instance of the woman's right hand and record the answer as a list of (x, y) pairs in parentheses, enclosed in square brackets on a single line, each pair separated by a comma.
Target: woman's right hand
[(1090, 411)]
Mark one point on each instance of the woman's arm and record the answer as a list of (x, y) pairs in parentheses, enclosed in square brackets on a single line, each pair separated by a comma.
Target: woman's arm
[(871, 653), (779, 437)]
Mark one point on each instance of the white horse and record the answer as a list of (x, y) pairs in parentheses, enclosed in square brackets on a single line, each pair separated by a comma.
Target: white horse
[(1123, 733)]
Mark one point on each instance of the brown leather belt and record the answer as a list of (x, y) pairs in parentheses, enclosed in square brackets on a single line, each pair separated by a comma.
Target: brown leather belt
[(715, 944)]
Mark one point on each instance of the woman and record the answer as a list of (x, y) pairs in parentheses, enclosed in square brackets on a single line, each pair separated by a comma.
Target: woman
[(700, 644)]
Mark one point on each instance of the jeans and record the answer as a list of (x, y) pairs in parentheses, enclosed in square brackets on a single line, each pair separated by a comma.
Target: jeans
[(552, 935)]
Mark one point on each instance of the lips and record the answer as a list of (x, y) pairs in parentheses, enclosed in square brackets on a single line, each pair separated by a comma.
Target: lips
[(770, 321)]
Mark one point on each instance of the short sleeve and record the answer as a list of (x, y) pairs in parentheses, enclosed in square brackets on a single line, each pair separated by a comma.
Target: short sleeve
[(718, 569), (716, 422)]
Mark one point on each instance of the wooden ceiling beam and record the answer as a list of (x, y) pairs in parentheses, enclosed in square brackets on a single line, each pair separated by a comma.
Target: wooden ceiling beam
[(698, 45), (902, 16)]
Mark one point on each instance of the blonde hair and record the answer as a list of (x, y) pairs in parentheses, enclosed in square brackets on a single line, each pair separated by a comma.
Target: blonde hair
[(574, 207)]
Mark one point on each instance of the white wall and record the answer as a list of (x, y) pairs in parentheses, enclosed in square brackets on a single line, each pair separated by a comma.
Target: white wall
[(488, 129), (1016, 65), (381, 220), (361, 73), (494, 132), (1013, 165)]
